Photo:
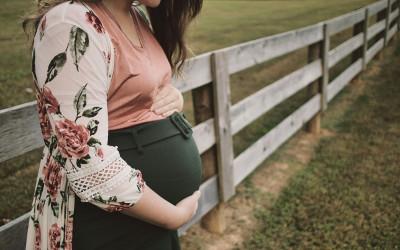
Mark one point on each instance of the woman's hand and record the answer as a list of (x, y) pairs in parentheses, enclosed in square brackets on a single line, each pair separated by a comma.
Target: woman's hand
[(187, 209), (167, 100), (172, 216)]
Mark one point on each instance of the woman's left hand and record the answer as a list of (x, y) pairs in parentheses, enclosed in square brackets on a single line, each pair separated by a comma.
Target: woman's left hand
[(167, 100)]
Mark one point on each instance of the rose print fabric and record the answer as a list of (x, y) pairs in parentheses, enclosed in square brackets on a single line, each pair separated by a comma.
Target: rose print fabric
[(72, 65)]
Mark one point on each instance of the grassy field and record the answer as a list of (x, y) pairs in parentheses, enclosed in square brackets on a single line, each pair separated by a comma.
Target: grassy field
[(348, 196), (220, 24)]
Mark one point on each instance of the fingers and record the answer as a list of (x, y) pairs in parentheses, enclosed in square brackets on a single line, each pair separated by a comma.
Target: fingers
[(169, 112), (165, 91), (168, 99), (197, 193), (169, 102), (172, 106)]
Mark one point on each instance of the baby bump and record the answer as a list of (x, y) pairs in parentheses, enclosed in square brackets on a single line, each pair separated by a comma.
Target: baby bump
[(172, 166)]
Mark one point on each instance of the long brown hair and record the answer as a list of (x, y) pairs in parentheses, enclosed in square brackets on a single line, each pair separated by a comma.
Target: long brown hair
[(169, 22)]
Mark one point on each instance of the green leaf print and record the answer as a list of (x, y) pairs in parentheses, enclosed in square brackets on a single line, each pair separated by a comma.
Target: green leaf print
[(92, 126), (91, 112), (79, 42), (92, 141), (63, 195), (33, 66), (39, 188), (55, 208), (60, 159), (53, 144), (55, 66), (80, 100), (83, 160)]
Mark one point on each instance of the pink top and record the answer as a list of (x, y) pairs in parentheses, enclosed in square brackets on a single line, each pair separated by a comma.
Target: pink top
[(139, 71)]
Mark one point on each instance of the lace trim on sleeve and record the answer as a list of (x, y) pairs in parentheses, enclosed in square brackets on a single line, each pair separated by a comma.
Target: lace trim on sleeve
[(103, 181)]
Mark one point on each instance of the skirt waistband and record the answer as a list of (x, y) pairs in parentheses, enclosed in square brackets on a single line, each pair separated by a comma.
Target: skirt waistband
[(144, 134)]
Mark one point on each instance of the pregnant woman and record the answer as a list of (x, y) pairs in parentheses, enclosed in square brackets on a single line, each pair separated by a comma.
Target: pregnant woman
[(120, 168)]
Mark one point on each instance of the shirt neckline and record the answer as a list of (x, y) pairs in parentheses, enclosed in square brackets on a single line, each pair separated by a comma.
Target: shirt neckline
[(136, 26)]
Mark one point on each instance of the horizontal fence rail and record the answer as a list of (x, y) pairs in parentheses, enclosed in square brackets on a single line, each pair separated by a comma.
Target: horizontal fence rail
[(210, 72)]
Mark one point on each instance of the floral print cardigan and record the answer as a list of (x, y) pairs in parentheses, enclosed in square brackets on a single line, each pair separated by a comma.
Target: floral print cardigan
[(72, 66)]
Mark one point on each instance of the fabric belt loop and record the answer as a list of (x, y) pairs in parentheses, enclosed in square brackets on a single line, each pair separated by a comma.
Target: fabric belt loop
[(137, 142)]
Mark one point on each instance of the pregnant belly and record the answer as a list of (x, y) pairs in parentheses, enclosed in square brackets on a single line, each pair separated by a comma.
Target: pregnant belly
[(171, 167)]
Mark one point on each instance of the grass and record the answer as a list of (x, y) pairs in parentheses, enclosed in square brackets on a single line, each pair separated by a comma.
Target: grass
[(220, 24), (348, 197)]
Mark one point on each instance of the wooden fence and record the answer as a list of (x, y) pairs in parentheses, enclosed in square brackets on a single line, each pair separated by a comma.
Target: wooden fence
[(217, 120)]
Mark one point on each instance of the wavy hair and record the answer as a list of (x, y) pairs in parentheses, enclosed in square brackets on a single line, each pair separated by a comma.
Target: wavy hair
[(169, 22)]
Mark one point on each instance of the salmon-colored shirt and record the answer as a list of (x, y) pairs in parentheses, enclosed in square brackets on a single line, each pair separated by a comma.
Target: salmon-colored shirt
[(139, 71)]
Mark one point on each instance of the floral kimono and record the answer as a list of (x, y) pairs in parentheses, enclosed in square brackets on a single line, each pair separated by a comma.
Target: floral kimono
[(72, 66)]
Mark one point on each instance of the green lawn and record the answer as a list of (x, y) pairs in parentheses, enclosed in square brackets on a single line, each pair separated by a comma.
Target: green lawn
[(221, 23), (348, 196)]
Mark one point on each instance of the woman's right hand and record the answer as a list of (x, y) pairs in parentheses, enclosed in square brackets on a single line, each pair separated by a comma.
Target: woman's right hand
[(187, 208), (154, 209)]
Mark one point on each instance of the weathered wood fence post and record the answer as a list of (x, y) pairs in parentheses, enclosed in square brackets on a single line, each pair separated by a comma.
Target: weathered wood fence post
[(203, 103), (325, 67), (314, 52), (365, 39), (381, 16), (222, 118), (213, 100), (361, 27), (357, 29), (387, 24), (398, 17)]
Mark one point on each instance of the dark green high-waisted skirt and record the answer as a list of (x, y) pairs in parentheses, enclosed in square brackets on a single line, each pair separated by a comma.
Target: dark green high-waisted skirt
[(170, 165)]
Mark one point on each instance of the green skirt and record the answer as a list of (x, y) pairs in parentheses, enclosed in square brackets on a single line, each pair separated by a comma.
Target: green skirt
[(170, 164)]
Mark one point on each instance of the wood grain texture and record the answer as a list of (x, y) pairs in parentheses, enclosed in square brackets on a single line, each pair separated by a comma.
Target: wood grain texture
[(203, 104), (378, 46), (252, 107), (365, 40), (204, 135), (393, 16), (245, 55), (196, 73), (392, 32), (337, 24), (13, 234), (222, 118), (376, 7), (343, 79), (375, 29), (387, 24), (249, 160), (19, 130), (325, 67), (344, 49), (314, 53)]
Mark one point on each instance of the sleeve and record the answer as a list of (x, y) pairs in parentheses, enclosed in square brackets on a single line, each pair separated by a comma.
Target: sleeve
[(70, 67)]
